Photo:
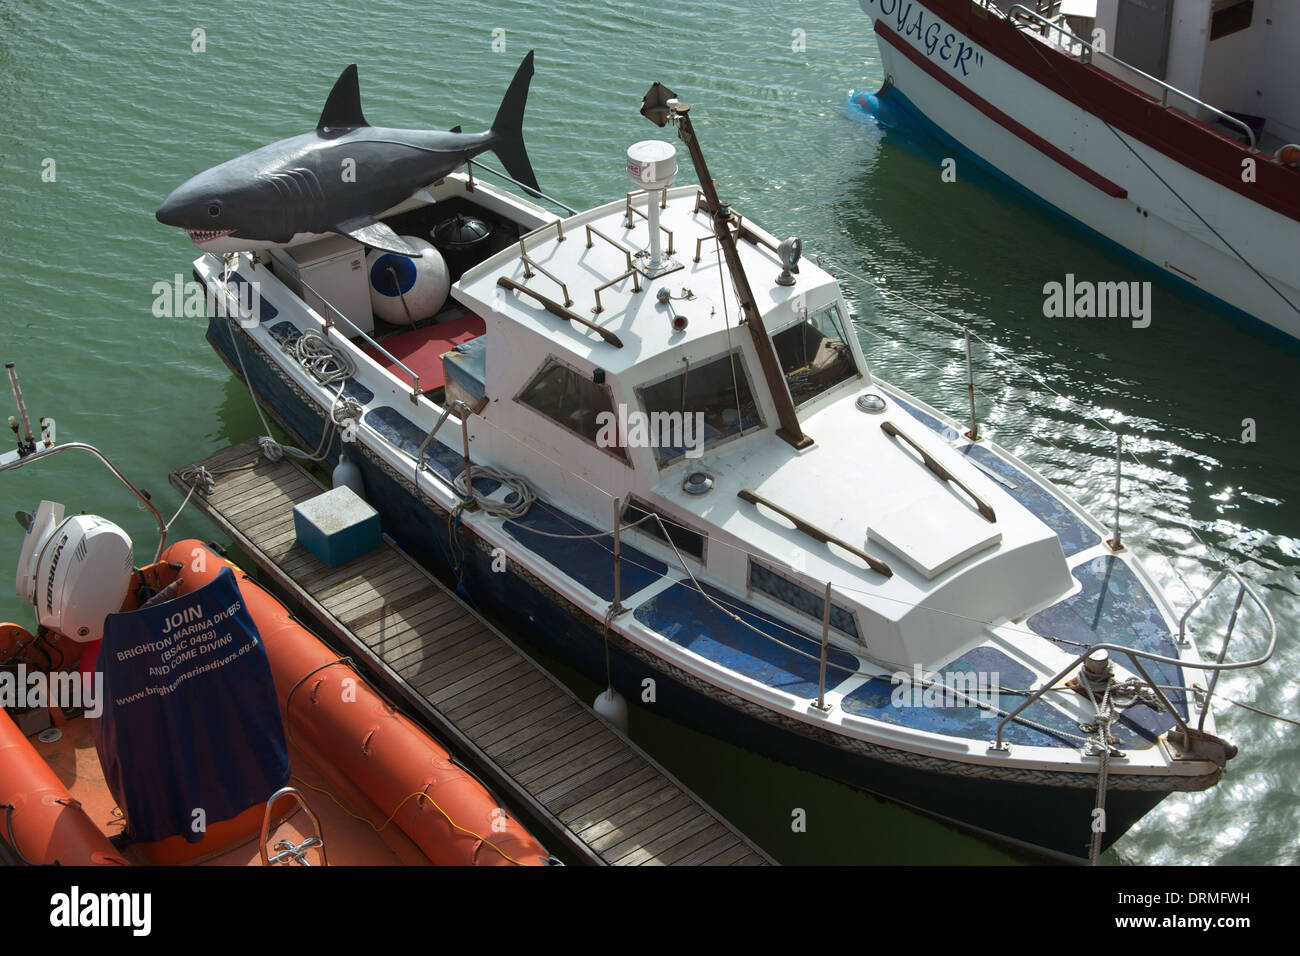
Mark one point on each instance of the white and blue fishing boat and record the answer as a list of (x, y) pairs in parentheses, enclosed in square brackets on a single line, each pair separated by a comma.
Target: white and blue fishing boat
[(646, 434)]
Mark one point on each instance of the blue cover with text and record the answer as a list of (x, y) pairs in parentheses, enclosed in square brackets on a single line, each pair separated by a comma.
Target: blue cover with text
[(191, 731)]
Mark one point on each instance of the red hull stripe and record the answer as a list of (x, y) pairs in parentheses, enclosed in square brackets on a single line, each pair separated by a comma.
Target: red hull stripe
[(1090, 177), (1187, 141)]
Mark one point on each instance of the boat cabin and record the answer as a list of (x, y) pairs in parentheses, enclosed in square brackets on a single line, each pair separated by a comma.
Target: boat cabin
[(1230, 63), (609, 387)]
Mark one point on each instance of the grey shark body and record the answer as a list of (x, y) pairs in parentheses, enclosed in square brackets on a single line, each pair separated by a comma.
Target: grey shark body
[(338, 178)]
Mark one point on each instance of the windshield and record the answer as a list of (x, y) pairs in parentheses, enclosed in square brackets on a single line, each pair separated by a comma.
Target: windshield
[(704, 404), (814, 354)]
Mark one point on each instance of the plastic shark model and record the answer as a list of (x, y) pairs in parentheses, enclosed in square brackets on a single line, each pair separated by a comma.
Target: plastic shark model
[(338, 178)]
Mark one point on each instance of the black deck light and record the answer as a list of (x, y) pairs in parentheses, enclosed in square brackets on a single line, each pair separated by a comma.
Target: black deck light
[(661, 106)]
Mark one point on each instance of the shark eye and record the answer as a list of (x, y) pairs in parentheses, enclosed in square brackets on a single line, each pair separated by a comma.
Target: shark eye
[(214, 210)]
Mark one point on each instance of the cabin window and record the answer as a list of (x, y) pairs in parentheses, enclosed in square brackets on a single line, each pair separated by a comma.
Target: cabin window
[(801, 599), (573, 400), (814, 354), (688, 540), (1230, 16), (703, 404)]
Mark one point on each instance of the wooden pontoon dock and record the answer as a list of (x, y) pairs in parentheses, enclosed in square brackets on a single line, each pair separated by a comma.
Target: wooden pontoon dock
[(533, 742)]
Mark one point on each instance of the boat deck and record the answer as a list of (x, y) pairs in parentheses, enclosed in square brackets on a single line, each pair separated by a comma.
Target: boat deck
[(532, 741)]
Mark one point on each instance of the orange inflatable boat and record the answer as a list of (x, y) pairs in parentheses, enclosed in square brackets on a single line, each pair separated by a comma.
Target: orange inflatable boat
[(368, 785)]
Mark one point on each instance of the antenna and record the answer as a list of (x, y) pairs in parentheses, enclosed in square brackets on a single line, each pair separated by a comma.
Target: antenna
[(652, 166), (26, 441)]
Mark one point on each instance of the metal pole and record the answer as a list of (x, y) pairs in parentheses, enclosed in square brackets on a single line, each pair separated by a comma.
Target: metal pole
[(1115, 543), (148, 505), (789, 429), (617, 606), (465, 411), (22, 407), (974, 433), (826, 629), (1223, 652)]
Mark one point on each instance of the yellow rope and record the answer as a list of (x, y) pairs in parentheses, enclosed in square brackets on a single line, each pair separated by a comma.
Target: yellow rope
[(397, 809)]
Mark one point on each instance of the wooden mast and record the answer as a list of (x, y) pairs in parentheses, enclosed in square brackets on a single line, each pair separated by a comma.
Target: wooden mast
[(660, 106)]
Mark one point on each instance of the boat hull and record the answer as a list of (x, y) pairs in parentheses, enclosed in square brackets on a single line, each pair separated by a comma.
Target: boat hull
[(367, 751), (360, 741), (1050, 812), (1074, 162)]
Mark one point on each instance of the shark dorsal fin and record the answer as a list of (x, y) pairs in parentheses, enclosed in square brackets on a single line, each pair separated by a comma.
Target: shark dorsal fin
[(343, 108), (454, 129)]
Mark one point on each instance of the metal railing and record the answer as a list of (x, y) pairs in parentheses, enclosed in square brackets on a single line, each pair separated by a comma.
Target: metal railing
[(470, 164), (630, 210), (530, 267), (631, 271), (67, 446), (1134, 655), (327, 323), (1090, 51)]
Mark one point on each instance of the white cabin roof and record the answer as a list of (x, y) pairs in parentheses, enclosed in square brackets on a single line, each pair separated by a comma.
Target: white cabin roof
[(640, 321)]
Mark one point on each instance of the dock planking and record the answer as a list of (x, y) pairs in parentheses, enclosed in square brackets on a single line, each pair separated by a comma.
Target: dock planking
[(540, 747)]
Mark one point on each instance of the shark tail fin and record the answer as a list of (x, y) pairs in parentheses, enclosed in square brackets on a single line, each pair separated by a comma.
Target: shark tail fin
[(508, 127)]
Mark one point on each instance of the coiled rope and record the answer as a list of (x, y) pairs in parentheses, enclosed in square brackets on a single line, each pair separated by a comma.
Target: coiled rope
[(524, 494)]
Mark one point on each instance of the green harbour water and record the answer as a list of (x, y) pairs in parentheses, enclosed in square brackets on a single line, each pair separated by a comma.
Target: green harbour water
[(117, 97)]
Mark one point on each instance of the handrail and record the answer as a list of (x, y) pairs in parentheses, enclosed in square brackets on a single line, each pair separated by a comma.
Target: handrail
[(288, 851), (1166, 87), (529, 189), (416, 391), (144, 500), (815, 532), (631, 268), (592, 230), (930, 462), (633, 274), (1244, 589), (530, 266), (631, 210), (1134, 654), (562, 312), (464, 411), (743, 231)]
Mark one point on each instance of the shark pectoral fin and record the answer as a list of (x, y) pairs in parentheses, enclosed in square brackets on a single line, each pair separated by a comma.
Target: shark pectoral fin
[(371, 232)]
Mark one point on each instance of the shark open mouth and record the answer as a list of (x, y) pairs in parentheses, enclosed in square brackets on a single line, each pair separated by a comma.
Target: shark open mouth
[(200, 236)]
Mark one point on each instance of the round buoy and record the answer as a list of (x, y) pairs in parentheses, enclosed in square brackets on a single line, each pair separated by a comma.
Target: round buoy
[(347, 473), (405, 289), (611, 705)]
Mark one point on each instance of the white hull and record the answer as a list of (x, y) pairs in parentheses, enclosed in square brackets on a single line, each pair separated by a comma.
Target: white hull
[(1151, 222)]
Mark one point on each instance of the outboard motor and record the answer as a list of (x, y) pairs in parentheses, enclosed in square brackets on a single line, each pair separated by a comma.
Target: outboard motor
[(74, 571)]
